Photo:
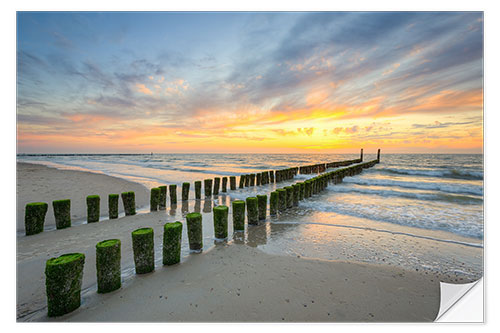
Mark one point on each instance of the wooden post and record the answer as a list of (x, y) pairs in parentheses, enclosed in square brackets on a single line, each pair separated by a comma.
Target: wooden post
[(62, 213), (361, 157), (173, 194), (232, 183), (378, 156), (108, 264), (252, 210), (238, 215), (197, 189), (208, 188), (224, 184), (216, 185), (220, 222), (185, 191), (63, 283), (162, 205), (93, 208), (172, 239), (195, 232), (144, 250), (262, 206), (154, 199)]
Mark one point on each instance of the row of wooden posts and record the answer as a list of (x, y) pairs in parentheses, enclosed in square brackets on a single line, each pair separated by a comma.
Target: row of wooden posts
[(67, 270), (36, 211)]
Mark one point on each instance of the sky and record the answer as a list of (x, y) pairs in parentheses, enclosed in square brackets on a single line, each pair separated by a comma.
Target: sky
[(249, 82)]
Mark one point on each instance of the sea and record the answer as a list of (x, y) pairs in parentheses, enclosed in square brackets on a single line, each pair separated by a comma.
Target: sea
[(419, 211)]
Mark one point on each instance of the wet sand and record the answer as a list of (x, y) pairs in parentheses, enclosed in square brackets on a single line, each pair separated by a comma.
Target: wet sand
[(229, 282)]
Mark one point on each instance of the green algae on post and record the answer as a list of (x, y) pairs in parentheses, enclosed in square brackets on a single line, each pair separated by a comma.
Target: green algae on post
[(289, 196), (216, 185), (301, 190), (162, 204), (128, 199), (281, 199), (232, 182), (238, 215), (195, 231), (197, 189), (224, 184), (252, 210), (62, 213), (172, 240), (108, 258), (172, 189), (34, 217), (144, 250), (262, 206), (185, 191), (208, 187), (93, 208), (154, 199), (273, 203), (296, 194), (113, 205), (220, 221), (63, 283)]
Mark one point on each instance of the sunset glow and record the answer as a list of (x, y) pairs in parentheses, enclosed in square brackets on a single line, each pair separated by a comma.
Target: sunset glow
[(250, 82)]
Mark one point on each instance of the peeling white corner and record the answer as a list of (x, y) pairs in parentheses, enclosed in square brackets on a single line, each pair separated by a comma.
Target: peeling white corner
[(461, 303)]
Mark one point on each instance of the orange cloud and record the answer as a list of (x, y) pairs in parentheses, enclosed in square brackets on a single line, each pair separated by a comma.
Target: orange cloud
[(143, 89)]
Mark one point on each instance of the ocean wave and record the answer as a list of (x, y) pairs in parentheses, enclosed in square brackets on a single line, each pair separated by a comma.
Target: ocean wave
[(449, 173), (434, 218), (462, 199), (443, 187)]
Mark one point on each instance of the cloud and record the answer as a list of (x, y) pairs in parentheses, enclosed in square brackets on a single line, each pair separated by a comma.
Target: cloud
[(143, 89)]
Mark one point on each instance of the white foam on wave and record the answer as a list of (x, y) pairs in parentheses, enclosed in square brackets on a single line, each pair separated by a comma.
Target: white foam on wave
[(434, 186)]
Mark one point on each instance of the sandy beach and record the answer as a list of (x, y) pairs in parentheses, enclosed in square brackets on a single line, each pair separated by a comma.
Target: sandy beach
[(37, 182), (231, 282)]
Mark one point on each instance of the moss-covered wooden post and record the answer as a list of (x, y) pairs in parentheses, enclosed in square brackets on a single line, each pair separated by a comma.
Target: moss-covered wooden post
[(144, 250), (62, 213), (113, 205), (162, 198), (93, 208), (216, 186), (289, 196), (281, 199), (301, 190), (208, 187), (262, 206), (197, 189), (195, 231), (252, 179), (224, 184), (63, 283), (128, 199), (252, 210), (296, 194), (172, 240), (220, 221), (154, 199), (172, 189), (273, 203), (232, 183), (185, 191), (307, 192), (238, 215), (34, 217), (108, 265)]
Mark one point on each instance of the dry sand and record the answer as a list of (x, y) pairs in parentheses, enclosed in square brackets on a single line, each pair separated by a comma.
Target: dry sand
[(230, 282), (40, 183)]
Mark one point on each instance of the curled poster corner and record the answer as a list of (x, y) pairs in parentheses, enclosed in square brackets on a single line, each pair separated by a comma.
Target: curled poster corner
[(455, 297)]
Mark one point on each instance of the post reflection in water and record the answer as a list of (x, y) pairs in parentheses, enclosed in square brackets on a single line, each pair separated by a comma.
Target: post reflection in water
[(197, 206), (185, 208), (239, 237), (207, 206), (257, 235), (173, 209)]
